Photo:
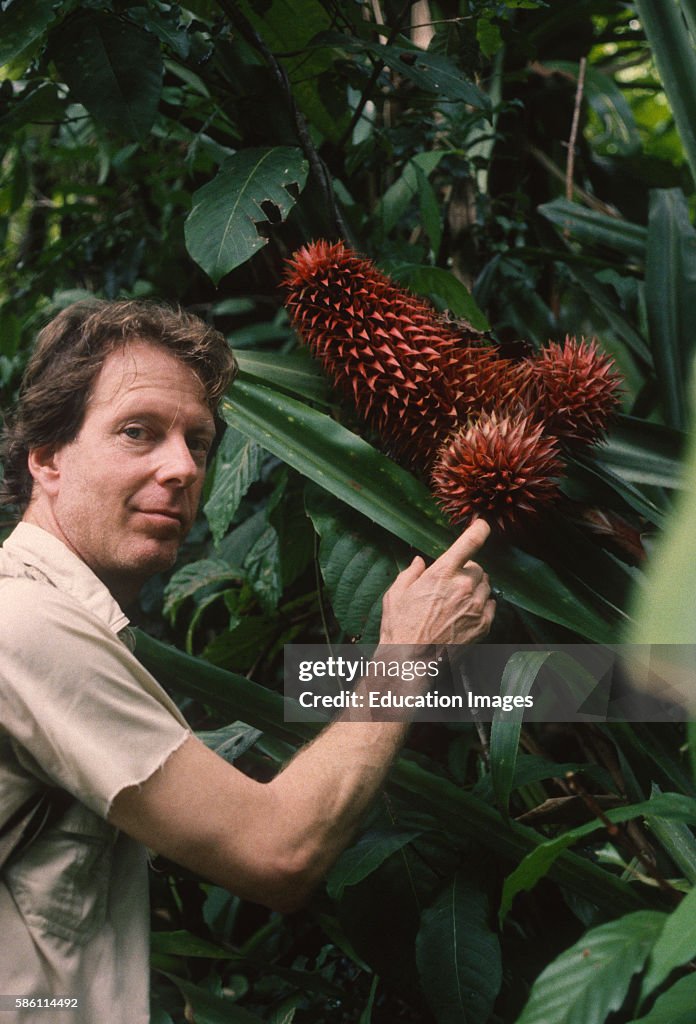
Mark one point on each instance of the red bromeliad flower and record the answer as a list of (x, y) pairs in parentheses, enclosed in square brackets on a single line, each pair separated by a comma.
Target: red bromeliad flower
[(577, 390), (384, 348), (502, 468)]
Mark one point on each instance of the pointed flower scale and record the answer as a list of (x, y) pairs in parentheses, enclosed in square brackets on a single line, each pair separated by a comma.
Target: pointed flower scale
[(502, 468), (383, 347)]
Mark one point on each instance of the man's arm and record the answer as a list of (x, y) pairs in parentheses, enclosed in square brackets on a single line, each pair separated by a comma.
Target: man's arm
[(272, 842)]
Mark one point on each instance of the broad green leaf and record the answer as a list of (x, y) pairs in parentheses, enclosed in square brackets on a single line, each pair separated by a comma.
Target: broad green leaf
[(208, 1008), (364, 857), (591, 979), (530, 769), (517, 681), (675, 1006), (262, 569), (237, 465), (358, 562), (398, 196), (191, 578), (221, 229), (675, 946), (113, 67), (670, 296), (348, 467), (601, 482), (596, 228), (294, 372), (437, 283), (433, 73), (458, 954), (673, 52), (21, 24), (672, 806)]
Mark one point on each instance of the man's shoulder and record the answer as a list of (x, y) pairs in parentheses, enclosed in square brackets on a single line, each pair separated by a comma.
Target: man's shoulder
[(30, 607)]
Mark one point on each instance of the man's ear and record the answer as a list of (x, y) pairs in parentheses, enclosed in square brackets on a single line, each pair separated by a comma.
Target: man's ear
[(43, 464)]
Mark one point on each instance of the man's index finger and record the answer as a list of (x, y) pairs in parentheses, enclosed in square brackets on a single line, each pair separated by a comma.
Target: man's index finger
[(464, 547)]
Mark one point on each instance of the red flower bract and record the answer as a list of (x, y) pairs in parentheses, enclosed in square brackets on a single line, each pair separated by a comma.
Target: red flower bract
[(384, 348), (577, 390), (503, 468)]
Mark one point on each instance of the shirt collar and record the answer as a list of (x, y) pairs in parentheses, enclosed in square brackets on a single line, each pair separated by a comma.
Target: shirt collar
[(41, 550)]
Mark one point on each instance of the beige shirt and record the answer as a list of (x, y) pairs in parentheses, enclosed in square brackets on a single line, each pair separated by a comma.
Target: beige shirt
[(78, 712)]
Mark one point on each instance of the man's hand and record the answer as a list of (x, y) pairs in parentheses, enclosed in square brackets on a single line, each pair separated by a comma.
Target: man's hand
[(447, 603)]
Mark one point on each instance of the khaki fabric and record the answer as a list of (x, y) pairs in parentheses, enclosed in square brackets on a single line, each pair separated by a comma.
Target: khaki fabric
[(77, 712)]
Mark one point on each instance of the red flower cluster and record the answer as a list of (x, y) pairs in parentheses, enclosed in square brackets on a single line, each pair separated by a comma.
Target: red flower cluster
[(486, 431)]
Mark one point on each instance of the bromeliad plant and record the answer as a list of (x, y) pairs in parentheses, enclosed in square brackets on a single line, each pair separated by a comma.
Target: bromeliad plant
[(487, 432)]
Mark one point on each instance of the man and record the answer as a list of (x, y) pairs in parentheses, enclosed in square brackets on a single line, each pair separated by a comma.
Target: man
[(106, 459)]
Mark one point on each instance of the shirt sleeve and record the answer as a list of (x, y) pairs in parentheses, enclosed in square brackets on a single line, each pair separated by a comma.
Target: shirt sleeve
[(76, 700)]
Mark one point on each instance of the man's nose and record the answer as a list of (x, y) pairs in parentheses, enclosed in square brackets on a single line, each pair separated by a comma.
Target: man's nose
[(176, 463)]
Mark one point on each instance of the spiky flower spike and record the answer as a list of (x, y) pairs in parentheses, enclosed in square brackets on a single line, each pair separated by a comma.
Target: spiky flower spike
[(578, 391), (384, 348), (503, 468)]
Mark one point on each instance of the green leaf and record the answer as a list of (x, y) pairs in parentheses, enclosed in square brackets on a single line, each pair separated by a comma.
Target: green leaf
[(348, 467), (458, 954), (21, 24), (183, 943), (113, 67), (670, 296), (358, 562), (602, 299), (675, 1006), (433, 73), (231, 741), (221, 229), (399, 195), (364, 857), (677, 840), (262, 569), (430, 212), (596, 228), (437, 283), (673, 806), (237, 465), (517, 681), (296, 373), (591, 979), (643, 453), (191, 578), (208, 1008), (675, 946), (673, 52)]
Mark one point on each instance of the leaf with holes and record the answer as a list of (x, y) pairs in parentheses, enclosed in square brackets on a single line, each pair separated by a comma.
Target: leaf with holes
[(250, 188)]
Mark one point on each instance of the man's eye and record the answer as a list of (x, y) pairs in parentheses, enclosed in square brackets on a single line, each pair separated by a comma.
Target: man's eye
[(134, 433)]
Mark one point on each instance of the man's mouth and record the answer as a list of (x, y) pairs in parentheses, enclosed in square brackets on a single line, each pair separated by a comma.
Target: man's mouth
[(162, 515)]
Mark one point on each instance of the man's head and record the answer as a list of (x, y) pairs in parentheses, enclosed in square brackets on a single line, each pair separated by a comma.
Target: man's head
[(112, 432)]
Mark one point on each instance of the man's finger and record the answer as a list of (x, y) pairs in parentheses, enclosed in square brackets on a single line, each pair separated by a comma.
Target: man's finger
[(466, 545)]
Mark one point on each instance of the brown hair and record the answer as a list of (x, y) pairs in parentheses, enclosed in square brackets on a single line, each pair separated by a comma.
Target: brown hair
[(71, 350)]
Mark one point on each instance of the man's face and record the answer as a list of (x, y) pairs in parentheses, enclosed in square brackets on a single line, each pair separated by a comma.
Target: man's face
[(124, 493)]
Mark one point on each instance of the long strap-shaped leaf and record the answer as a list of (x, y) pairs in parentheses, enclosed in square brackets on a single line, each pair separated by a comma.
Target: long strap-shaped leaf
[(351, 469)]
